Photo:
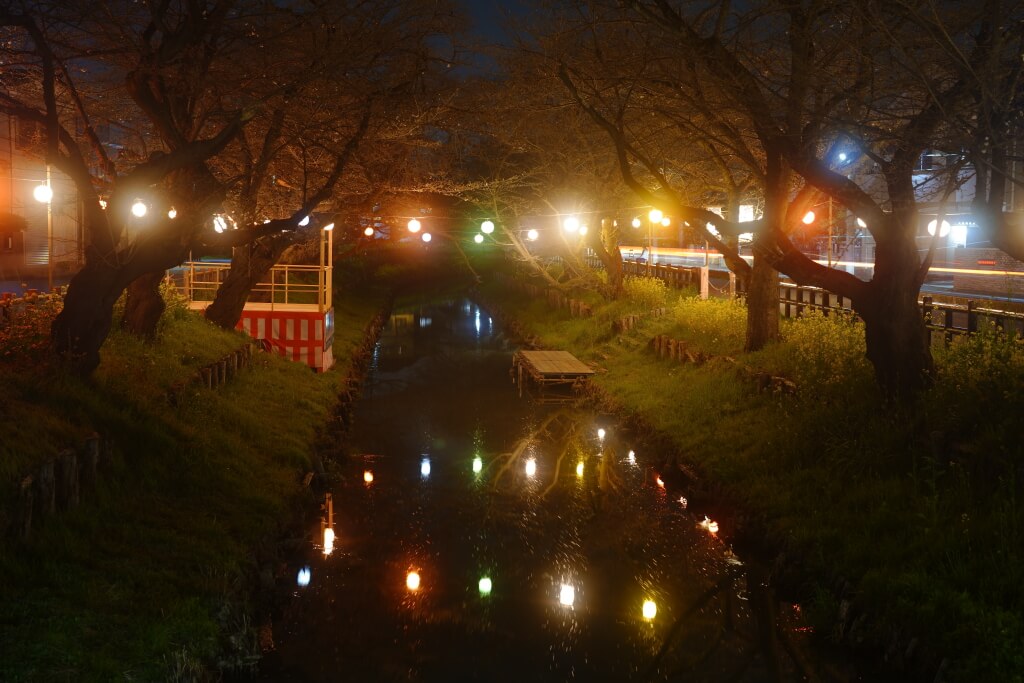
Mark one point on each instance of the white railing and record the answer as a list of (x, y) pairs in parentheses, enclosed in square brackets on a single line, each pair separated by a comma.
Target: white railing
[(285, 286)]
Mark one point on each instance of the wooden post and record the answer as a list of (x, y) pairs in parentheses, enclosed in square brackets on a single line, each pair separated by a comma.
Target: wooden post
[(26, 504), (926, 311), (66, 480), (88, 464), (972, 317), (44, 490), (207, 376)]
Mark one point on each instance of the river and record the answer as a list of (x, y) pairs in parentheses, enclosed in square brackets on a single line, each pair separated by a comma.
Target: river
[(478, 536)]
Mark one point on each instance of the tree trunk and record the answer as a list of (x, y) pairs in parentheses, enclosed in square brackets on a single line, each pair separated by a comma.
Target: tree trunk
[(249, 264), (81, 327), (144, 305), (762, 304)]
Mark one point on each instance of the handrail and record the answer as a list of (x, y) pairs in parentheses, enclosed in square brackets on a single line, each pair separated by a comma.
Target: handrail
[(288, 284)]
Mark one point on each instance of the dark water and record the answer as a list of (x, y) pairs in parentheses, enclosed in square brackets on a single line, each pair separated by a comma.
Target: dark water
[(591, 519)]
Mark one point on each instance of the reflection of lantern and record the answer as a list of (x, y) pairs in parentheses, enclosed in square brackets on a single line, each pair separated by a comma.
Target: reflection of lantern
[(304, 576), (412, 581), (368, 476), (425, 468), (531, 467), (579, 469), (631, 458), (478, 465), (659, 482), (650, 610), (328, 541), (600, 433), (567, 595), (485, 586)]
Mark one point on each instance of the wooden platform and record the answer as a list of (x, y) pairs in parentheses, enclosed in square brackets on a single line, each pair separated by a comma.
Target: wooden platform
[(547, 370)]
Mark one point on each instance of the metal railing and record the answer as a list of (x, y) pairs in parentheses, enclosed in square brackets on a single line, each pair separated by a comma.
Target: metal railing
[(284, 285)]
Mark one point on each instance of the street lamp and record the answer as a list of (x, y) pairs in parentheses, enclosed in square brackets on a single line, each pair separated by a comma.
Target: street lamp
[(653, 216), (44, 194)]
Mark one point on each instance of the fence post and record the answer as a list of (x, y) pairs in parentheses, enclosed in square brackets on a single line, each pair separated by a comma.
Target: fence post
[(972, 317), (926, 312)]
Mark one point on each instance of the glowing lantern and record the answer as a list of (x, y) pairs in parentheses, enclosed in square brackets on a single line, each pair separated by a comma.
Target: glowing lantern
[(943, 229), (861, 223), (683, 501), (368, 231), (650, 610), (304, 576), (425, 468), (636, 223), (328, 541), (532, 235), (655, 215), (600, 434), (631, 457), (478, 465), (42, 194), (139, 208), (571, 224), (666, 221), (304, 222), (478, 238), (427, 237), (414, 226), (485, 586), (583, 229), (531, 467), (567, 596), (659, 482), (172, 213), (368, 476), (412, 581), (487, 227), (808, 218), (579, 469)]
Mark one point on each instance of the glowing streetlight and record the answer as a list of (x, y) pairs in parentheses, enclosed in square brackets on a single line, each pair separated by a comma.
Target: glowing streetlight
[(808, 218), (943, 229), (427, 237), (532, 235), (478, 238), (44, 194), (329, 227), (487, 227), (414, 226), (571, 224), (139, 208)]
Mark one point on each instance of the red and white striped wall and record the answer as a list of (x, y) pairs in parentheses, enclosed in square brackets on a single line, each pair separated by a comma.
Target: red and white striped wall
[(302, 336)]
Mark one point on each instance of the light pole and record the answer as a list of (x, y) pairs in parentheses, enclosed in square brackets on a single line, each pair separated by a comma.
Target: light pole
[(44, 194), (327, 273), (654, 216)]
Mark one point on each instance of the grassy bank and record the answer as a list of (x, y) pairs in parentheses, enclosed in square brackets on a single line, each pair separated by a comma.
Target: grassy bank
[(147, 579), (913, 515)]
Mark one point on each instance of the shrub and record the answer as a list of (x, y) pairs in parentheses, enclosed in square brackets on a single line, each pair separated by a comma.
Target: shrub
[(828, 351), (645, 292), (719, 323)]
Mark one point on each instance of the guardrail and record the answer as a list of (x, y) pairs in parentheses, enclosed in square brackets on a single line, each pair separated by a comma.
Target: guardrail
[(284, 285), (948, 319)]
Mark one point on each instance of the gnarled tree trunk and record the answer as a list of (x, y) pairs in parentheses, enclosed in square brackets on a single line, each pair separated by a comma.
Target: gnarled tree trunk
[(249, 264), (144, 305), (762, 303)]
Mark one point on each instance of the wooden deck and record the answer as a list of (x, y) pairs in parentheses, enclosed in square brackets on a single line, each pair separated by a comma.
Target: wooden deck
[(547, 370)]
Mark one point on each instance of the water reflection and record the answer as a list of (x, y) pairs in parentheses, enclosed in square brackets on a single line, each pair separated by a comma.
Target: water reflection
[(561, 559)]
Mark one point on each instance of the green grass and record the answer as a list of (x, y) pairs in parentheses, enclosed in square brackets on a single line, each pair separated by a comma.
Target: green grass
[(917, 507), (148, 579)]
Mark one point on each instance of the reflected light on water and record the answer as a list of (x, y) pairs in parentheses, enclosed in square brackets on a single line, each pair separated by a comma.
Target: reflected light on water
[(658, 481), (650, 609), (478, 465), (567, 596), (412, 581), (328, 541), (710, 525), (304, 576), (601, 433), (485, 586), (631, 458), (683, 501), (531, 467), (579, 469), (425, 468), (368, 476)]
